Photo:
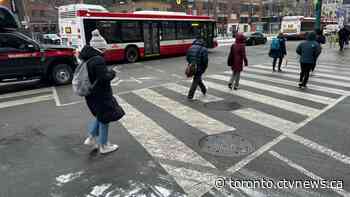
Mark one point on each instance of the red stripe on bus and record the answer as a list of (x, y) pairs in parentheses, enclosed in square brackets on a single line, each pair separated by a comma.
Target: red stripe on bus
[(131, 15)]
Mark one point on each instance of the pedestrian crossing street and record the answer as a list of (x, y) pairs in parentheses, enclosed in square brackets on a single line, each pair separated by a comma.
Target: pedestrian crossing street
[(268, 100)]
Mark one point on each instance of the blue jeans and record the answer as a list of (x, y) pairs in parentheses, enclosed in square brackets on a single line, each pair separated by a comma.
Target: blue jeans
[(99, 129)]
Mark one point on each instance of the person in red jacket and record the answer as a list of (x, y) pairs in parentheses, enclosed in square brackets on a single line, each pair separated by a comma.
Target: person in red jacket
[(237, 58)]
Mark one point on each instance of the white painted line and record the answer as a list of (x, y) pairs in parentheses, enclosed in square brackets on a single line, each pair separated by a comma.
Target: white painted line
[(277, 140), (284, 91), (116, 83), (56, 97), (321, 68), (161, 144), (192, 117), (323, 65), (304, 171), (138, 81), (25, 93), (184, 91), (159, 70), (66, 178), (25, 101), (311, 79), (266, 120), (292, 83), (98, 190), (286, 105), (177, 76)]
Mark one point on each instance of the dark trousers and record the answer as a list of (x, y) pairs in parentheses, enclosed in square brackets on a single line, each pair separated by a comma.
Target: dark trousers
[(305, 72), (197, 81), (279, 63), (341, 44)]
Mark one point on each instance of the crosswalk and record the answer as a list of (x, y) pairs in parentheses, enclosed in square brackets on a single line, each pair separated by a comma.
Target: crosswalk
[(259, 86), (25, 97)]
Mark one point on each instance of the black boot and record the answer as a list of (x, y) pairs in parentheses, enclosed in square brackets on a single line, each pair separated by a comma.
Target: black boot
[(230, 86)]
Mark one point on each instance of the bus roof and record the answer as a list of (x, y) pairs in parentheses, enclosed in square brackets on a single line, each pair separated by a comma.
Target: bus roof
[(75, 7), (143, 15)]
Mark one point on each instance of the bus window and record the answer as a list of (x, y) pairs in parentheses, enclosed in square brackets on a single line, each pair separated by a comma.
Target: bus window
[(184, 30), (131, 31), (168, 30), (110, 31), (307, 26)]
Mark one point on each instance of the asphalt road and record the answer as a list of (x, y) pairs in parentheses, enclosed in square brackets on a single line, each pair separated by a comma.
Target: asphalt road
[(270, 136)]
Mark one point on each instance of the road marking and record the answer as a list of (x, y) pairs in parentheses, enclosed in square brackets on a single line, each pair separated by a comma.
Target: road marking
[(322, 68), (138, 81), (25, 101), (156, 69), (284, 91), (98, 190), (277, 140), (161, 144), (318, 74), (177, 76), (265, 119), (306, 172), (66, 178), (286, 105), (292, 83), (190, 116), (184, 91), (311, 79), (25, 93), (323, 65), (56, 97)]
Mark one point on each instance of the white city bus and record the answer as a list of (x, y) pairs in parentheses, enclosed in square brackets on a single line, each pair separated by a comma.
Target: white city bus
[(297, 27), (131, 36)]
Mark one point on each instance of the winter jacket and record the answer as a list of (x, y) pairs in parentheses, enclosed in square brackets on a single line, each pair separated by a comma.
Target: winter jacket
[(281, 52), (239, 54), (101, 102), (198, 55), (309, 50)]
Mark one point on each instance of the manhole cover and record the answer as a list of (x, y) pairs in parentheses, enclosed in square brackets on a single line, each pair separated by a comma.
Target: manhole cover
[(223, 106), (227, 145)]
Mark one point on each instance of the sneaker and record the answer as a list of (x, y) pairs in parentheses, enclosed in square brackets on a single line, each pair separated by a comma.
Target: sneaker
[(273, 70), (91, 141), (235, 88), (300, 85), (230, 86), (108, 148), (279, 70)]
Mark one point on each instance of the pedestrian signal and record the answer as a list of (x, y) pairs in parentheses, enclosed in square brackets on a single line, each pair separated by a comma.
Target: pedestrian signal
[(178, 2)]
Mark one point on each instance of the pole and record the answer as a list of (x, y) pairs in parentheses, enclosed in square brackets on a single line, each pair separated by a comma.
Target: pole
[(318, 13)]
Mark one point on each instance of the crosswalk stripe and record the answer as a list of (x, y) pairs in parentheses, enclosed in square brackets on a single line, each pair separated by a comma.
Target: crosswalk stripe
[(320, 68), (25, 101), (265, 119), (306, 172), (293, 107), (329, 66), (311, 79), (334, 76), (161, 144), (184, 91), (292, 83), (25, 93), (284, 91), (345, 84), (192, 117)]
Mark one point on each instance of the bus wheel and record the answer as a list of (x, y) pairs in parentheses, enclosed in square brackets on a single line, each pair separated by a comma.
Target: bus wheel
[(131, 54)]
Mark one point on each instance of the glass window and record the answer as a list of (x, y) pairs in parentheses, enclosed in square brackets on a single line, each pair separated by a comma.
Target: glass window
[(131, 31), (110, 30), (10, 43), (168, 31), (184, 30)]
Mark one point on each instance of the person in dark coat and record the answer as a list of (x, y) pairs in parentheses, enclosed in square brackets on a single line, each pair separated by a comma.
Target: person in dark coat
[(309, 51), (278, 53), (238, 57), (342, 38), (100, 101), (198, 55)]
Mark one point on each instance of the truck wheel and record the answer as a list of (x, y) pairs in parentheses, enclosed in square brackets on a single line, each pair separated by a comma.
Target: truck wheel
[(62, 74), (131, 54)]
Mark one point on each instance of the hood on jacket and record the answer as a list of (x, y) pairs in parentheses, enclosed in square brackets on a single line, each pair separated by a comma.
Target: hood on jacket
[(240, 38), (88, 52), (199, 42), (311, 36)]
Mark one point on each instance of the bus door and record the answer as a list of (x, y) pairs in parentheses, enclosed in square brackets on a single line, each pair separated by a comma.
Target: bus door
[(151, 38)]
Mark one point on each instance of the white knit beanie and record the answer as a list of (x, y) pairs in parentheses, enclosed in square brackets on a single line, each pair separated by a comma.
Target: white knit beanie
[(97, 41)]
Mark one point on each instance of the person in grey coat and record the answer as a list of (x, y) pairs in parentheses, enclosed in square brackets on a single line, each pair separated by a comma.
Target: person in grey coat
[(309, 51)]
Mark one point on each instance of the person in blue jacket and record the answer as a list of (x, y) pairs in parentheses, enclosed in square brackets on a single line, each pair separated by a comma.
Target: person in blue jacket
[(278, 51)]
